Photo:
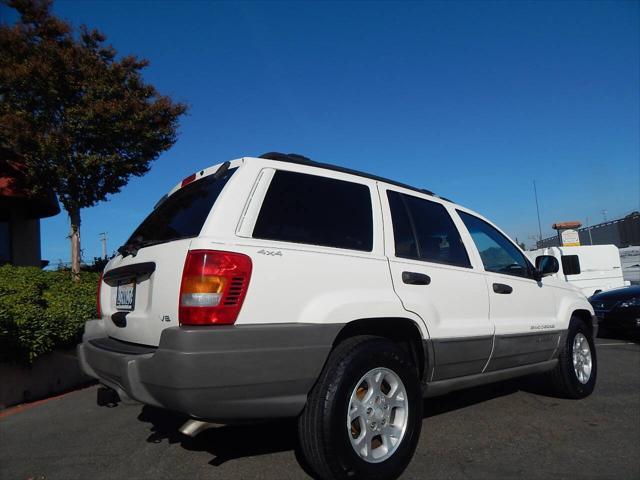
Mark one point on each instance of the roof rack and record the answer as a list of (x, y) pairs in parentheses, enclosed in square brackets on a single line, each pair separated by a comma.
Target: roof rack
[(302, 160)]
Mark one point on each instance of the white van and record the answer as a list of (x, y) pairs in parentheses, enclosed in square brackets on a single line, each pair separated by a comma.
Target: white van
[(590, 268), (282, 287)]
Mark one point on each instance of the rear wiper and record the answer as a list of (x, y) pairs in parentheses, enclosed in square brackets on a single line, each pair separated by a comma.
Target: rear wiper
[(132, 247)]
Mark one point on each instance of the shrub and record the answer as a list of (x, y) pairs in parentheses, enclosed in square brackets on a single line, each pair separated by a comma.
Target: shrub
[(41, 310)]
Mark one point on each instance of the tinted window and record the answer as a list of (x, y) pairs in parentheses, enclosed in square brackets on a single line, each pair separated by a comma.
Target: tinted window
[(570, 264), (316, 210), (183, 214), (497, 252), (423, 230)]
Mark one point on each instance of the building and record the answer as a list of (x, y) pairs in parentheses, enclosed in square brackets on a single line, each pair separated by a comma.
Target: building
[(623, 232), (20, 215)]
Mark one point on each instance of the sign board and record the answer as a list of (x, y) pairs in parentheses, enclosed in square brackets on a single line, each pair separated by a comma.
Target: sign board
[(570, 238)]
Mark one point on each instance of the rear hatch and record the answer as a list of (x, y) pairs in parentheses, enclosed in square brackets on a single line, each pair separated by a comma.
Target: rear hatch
[(141, 286)]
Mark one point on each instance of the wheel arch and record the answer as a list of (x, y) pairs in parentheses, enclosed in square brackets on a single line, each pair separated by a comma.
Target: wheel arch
[(401, 330), (588, 319)]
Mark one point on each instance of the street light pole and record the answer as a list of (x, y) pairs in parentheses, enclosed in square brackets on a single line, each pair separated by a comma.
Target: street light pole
[(103, 239), (535, 192)]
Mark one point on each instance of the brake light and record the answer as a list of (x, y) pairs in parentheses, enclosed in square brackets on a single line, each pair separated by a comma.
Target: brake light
[(98, 306), (213, 287), (188, 180)]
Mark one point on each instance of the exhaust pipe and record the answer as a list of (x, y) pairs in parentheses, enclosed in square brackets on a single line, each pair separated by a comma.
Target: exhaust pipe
[(193, 427)]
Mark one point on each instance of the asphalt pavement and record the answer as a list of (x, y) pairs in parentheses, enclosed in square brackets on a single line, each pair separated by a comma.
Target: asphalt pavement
[(513, 429)]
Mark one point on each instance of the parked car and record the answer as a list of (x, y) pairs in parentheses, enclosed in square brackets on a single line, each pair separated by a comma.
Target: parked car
[(618, 309), (281, 287)]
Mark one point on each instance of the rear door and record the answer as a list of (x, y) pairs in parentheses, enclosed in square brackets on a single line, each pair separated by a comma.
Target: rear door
[(141, 286), (434, 277), (522, 309)]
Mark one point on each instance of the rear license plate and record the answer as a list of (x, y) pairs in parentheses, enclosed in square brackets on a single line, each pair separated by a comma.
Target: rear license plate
[(126, 295)]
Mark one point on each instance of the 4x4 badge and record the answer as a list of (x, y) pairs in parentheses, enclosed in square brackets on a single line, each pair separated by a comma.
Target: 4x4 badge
[(270, 252)]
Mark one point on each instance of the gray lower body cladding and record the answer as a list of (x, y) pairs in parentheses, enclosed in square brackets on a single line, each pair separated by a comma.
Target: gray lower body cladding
[(480, 359), (218, 373)]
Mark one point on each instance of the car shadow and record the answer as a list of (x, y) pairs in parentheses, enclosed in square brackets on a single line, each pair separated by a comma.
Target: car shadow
[(626, 336), (230, 442), (225, 442)]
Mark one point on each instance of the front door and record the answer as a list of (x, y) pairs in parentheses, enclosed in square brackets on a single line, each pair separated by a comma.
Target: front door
[(522, 309)]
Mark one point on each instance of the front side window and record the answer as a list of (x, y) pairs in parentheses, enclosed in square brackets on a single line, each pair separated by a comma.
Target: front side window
[(423, 230), (497, 252), (314, 210)]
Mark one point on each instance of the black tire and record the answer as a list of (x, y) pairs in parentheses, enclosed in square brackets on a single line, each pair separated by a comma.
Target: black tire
[(323, 434), (564, 378)]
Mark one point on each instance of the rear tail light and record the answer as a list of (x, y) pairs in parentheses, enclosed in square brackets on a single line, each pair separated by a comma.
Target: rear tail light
[(98, 306), (213, 287)]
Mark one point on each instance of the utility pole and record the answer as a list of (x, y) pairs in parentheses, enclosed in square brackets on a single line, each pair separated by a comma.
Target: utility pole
[(604, 214), (103, 239), (535, 192), (589, 230)]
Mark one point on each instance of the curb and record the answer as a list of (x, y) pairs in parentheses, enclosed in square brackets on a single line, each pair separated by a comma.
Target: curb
[(51, 374)]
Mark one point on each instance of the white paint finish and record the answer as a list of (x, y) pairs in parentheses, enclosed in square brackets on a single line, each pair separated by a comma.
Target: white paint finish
[(156, 296), (455, 303), (531, 307), (315, 284)]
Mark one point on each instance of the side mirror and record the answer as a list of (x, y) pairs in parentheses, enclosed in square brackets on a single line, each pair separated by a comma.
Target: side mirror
[(546, 265)]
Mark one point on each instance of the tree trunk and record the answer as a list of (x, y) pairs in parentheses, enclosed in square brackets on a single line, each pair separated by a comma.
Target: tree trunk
[(74, 216)]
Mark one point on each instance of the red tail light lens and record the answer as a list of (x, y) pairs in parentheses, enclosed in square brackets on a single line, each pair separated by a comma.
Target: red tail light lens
[(213, 287), (98, 306)]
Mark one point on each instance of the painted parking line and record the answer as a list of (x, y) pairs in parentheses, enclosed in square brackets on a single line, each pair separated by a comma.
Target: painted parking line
[(614, 344)]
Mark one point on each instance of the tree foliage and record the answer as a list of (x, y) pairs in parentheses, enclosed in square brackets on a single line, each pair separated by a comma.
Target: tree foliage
[(41, 311), (80, 120)]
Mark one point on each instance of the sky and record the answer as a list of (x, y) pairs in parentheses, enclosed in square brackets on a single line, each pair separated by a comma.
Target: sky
[(472, 100)]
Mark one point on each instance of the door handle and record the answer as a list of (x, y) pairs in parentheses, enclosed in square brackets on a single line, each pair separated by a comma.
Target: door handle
[(502, 288), (414, 278)]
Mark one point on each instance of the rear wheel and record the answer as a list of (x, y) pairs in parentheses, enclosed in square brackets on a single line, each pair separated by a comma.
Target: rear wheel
[(575, 374), (363, 417)]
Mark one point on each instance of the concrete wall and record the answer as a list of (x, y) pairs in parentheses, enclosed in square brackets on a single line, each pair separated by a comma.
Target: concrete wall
[(51, 374)]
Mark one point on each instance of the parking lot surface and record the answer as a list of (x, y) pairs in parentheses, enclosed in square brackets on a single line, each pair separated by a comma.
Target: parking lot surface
[(513, 429)]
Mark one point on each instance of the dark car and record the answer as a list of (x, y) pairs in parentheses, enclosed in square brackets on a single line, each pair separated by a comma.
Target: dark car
[(618, 309)]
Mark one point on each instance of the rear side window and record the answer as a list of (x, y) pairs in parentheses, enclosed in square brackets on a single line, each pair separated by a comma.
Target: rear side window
[(570, 264), (423, 230), (316, 210), (183, 214)]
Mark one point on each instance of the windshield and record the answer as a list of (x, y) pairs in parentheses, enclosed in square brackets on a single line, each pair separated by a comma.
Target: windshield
[(183, 214)]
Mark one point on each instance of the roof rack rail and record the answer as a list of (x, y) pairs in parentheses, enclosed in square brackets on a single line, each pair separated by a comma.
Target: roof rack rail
[(302, 160)]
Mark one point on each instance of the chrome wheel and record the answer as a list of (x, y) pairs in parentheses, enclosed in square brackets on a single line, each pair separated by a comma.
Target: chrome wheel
[(582, 362), (378, 415)]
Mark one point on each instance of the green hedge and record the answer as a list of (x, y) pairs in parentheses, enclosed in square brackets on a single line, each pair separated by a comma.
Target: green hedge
[(42, 310)]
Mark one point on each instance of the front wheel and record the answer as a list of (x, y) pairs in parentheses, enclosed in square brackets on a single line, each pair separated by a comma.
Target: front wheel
[(363, 417), (575, 374)]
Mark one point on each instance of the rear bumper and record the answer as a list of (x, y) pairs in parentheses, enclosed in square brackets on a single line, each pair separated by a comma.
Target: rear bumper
[(221, 373)]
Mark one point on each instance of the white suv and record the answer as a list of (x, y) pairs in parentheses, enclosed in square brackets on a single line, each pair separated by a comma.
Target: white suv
[(278, 287)]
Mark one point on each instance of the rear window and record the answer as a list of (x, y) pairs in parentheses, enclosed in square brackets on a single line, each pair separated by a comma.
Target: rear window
[(301, 208), (183, 214)]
